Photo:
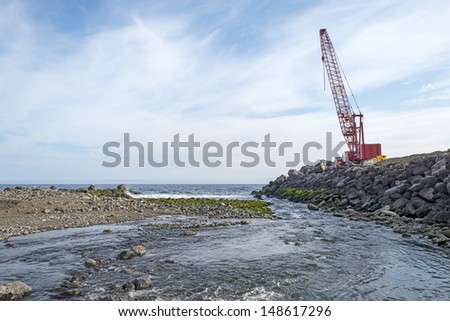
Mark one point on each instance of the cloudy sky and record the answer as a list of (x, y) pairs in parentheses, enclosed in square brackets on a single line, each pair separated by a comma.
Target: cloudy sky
[(79, 73)]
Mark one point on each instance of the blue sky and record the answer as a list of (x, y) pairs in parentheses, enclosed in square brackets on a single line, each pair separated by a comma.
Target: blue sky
[(77, 74)]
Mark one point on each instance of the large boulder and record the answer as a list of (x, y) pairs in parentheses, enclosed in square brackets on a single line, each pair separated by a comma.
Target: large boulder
[(420, 170), (427, 194), (14, 290), (441, 188)]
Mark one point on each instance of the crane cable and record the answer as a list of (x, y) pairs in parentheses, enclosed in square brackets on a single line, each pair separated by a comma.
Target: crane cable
[(324, 81), (348, 84)]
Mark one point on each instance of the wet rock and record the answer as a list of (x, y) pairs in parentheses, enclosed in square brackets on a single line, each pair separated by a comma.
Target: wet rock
[(14, 290), (313, 207), (129, 286), (189, 233), (70, 292), (139, 250), (125, 255), (116, 287), (446, 233), (440, 239), (10, 244), (90, 263), (144, 282)]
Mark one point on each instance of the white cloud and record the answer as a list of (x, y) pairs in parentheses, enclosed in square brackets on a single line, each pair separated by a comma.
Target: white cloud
[(64, 96)]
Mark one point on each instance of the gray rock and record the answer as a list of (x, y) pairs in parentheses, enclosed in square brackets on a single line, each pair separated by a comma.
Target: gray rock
[(429, 181), (415, 179), (293, 173), (446, 233), (417, 202), (388, 213), (92, 188), (427, 194), (313, 207), (441, 188), (443, 173), (125, 255), (420, 170), (391, 190), (442, 217), (122, 187), (281, 179), (129, 286), (115, 287), (440, 239), (14, 290), (139, 250), (440, 164), (402, 186), (448, 188), (399, 204), (90, 263), (144, 282), (189, 233)]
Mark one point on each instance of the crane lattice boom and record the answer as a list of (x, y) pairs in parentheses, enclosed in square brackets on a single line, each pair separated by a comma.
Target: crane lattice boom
[(351, 122)]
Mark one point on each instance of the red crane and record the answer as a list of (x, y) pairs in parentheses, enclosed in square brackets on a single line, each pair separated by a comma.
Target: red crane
[(351, 122)]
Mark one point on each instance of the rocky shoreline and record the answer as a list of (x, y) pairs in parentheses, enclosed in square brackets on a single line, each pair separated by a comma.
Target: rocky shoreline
[(409, 194), (32, 210)]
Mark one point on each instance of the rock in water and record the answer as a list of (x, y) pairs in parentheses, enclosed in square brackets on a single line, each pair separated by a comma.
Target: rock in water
[(144, 282), (125, 255), (90, 263), (14, 290), (139, 250), (129, 286), (313, 207), (189, 233)]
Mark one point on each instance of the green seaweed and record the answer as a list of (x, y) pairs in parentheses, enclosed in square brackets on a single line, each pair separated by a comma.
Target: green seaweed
[(301, 195), (251, 206)]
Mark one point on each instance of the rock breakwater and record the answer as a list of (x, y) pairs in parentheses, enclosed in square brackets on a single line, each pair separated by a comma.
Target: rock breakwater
[(410, 194)]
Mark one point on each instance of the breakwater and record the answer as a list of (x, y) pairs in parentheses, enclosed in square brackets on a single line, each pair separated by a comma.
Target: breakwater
[(410, 194)]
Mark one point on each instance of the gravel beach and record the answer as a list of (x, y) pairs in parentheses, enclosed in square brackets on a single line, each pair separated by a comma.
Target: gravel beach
[(31, 210)]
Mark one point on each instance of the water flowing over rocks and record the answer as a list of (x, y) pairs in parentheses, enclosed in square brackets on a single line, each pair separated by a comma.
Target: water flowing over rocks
[(411, 194)]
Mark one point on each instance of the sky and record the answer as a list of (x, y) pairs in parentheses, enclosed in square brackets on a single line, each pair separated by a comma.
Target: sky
[(77, 74)]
